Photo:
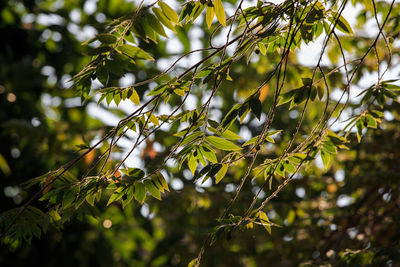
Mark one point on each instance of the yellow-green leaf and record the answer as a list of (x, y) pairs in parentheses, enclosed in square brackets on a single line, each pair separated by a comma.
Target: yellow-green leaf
[(208, 154), (179, 92), (54, 215), (264, 220), (134, 96), (341, 24), (192, 263), (162, 181), (221, 173), (219, 12), (220, 143), (152, 189), (140, 192), (169, 12), (155, 24), (4, 166), (291, 217), (106, 38), (134, 52), (154, 119), (209, 16), (164, 20), (118, 193), (192, 163)]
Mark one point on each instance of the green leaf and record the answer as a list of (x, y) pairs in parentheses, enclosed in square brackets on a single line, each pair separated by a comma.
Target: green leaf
[(371, 121), (200, 157), (179, 92), (158, 90), (98, 50), (291, 217), (298, 158), (117, 98), (152, 189), (376, 113), (169, 12), (254, 139), (69, 196), (392, 87), (134, 52), (264, 220), (230, 117), (219, 12), (222, 143), (262, 48), (106, 38), (161, 180), (251, 141), (321, 92), (329, 147), (4, 166), (135, 173), (128, 196), (191, 137), (164, 20), (209, 16), (214, 170), (289, 167), (118, 193), (281, 170), (192, 163), (227, 134), (154, 119), (155, 24), (256, 107), (221, 173), (134, 97), (192, 263), (54, 215), (186, 11), (286, 97), (102, 74), (342, 24), (140, 192), (199, 7), (208, 153), (325, 158)]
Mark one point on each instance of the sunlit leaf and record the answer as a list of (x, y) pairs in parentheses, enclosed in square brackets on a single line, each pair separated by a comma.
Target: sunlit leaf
[(169, 12), (221, 173), (209, 16), (222, 143), (219, 12), (152, 189)]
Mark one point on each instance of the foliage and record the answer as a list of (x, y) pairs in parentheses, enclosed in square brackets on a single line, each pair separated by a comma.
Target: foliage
[(254, 135)]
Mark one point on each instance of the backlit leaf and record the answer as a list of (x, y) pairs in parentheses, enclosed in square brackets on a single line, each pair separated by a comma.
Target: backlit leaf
[(222, 143), (221, 173), (164, 20), (209, 16), (169, 12), (134, 52), (106, 38), (219, 12), (152, 189), (140, 192)]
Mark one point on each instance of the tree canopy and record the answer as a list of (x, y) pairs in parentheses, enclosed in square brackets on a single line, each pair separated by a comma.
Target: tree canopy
[(211, 133)]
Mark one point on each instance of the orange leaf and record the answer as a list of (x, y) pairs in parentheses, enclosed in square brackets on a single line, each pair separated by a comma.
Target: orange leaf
[(263, 92), (89, 157), (47, 184)]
